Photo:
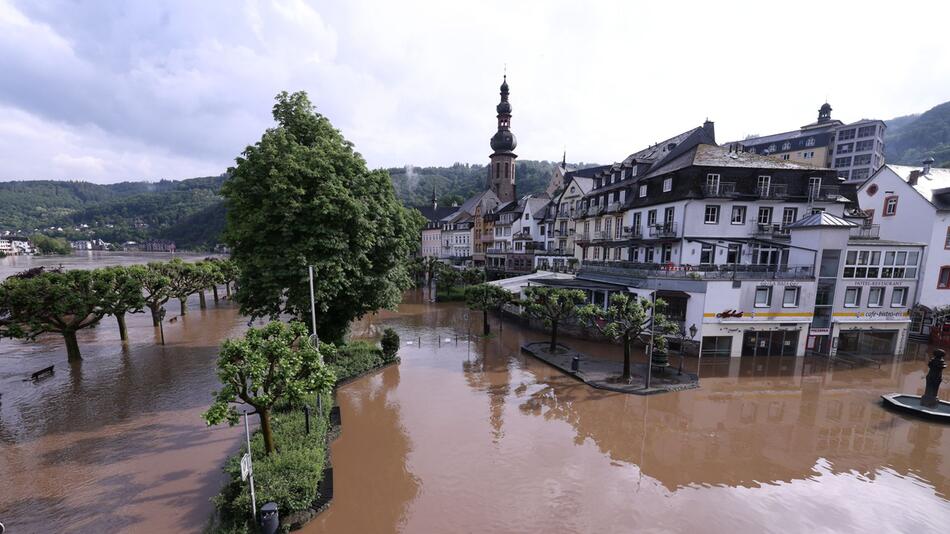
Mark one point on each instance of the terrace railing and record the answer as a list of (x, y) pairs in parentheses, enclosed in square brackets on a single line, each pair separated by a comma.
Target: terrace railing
[(700, 272)]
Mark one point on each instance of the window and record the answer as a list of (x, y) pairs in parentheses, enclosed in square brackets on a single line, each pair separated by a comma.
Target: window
[(772, 148), (763, 297), (712, 184), (619, 227), (814, 187), (667, 253), (733, 253), (668, 216), (643, 190), (810, 141), (789, 215), (667, 185), (943, 281), (786, 157), (866, 131), (899, 297), (712, 214), (790, 297), (860, 174), (864, 159), (651, 218), (648, 254), (946, 241), (845, 148), (842, 162), (890, 206), (846, 134), (852, 297), (763, 185), (706, 255), (786, 146), (808, 155), (864, 146), (738, 215), (875, 297), (607, 228), (765, 215)]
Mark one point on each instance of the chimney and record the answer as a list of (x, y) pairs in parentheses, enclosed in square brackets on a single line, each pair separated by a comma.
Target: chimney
[(914, 175), (710, 128), (927, 164)]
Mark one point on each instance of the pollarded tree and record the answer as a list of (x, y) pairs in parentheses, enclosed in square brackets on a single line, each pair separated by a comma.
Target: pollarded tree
[(627, 320), (486, 298), (229, 274), (303, 196), (125, 294), (185, 279), (63, 302), (552, 306), (271, 365), (156, 287), (218, 267), (209, 274)]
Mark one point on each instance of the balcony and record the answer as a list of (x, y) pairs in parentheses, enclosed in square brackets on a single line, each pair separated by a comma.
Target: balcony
[(770, 230), (824, 193), (631, 233), (601, 236), (614, 207), (772, 192), (870, 231), (701, 272), (496, 250), (720, 190), (595, 210), (664, 230)]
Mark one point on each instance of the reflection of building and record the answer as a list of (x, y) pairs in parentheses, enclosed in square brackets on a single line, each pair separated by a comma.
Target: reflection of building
[(854, 150), (158, 245)]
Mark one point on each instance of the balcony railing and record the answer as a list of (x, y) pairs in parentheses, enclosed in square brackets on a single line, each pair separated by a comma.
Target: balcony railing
[(722, 189), (582, 237), (828, 192), (700, 272), (774, 191), (601, 236), (496, 250), (631, 233), (663, 230), (771, 230), (871, 231), (614, 207)]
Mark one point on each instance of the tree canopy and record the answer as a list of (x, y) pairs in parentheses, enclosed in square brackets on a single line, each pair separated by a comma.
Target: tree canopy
[(271, 365), (124, 294), (486, 298), (552, 306), (302, 196)]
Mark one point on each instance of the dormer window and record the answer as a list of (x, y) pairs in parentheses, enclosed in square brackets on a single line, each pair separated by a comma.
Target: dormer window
[(643, 191), (810, 141), (786, 146)]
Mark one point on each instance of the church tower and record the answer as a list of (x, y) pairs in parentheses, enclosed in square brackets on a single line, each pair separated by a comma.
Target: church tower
[(501, 174)]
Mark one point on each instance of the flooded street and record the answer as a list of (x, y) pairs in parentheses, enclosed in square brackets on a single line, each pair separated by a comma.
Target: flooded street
[(474, 438), (115, 444), (479, 438)]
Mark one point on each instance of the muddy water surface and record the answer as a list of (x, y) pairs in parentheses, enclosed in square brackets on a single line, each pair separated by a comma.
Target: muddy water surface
[(479, 438)]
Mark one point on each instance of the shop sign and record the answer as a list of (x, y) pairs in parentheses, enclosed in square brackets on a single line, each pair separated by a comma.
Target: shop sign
[(879, 282), (728, 314), (819, 331), (878, 315)]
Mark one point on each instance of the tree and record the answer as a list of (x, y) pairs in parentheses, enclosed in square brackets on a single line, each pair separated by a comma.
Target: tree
[(208, 277), (389, 344), (156, 287), (63, 302), (302, 196), (229, 274), (552, 306), (184, 279), (486, 298), (50, 245), (125, 294), (272, 365), (217, 265), (627, 320)]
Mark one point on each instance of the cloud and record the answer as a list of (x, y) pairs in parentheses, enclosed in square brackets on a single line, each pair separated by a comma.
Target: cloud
[(146, 89)]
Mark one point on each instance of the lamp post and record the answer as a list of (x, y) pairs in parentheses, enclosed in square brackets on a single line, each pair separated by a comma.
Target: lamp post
[(692, 334), (646, 385)]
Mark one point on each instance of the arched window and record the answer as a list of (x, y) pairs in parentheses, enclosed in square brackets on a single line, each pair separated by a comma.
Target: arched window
[(810, 141)]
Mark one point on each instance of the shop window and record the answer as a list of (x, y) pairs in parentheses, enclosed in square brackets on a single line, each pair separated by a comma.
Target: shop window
[(899, 297), (706, 254), (790, 297), (852, 297), (763, 297), (717, 346)]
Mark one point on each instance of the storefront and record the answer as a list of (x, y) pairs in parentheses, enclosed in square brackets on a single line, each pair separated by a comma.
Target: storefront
[(770, 343), (737, 338), (867, 342)]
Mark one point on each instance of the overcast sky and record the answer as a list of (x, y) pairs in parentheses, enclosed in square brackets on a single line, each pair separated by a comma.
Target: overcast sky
[(111, 91)]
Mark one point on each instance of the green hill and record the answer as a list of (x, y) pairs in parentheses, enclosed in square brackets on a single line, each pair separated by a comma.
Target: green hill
[(912, 138)]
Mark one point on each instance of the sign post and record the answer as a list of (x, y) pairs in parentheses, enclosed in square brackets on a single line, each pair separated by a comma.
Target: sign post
[(247, 468)]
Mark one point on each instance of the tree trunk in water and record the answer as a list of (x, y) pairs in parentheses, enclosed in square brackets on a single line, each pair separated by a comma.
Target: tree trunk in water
[(626, 357), (123, 333), (227, 289), (72, 346), (215, 290), (553, 348), (485, 321), (201, 300), (155, 308), (184, 305), (266, 431)]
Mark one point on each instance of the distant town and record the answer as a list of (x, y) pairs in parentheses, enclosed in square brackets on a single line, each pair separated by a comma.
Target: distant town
[(800, 242)]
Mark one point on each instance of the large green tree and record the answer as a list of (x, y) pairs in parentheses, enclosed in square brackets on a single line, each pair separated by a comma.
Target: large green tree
[(628, 319), (486, 298), (302, 196), (61, 302), (124, 294), (552, 306), (271, 365)]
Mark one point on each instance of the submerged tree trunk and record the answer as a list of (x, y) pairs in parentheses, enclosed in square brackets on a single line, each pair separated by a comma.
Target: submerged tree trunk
[(626, 357), (215, 290), (156, 309), (123, 333), (485, 326), (72, 346), (184, 305), (553, 348), (201, 300), (227, 289), (264, 414)]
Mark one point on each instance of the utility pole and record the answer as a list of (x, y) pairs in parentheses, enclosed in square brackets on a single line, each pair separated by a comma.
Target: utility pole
[(652, 338)]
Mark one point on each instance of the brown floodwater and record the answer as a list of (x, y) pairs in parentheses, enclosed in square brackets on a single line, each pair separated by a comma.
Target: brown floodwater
[(475, 437)]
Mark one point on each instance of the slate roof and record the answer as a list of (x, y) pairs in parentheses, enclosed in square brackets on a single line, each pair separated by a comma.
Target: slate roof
[(822, 219), (437, 214), (720, 156)]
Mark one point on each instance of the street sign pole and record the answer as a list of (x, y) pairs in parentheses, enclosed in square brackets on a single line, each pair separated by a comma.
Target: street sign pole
[(250, 468)]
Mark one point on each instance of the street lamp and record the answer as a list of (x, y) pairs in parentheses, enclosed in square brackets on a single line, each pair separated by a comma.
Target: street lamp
[(692, 334)]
